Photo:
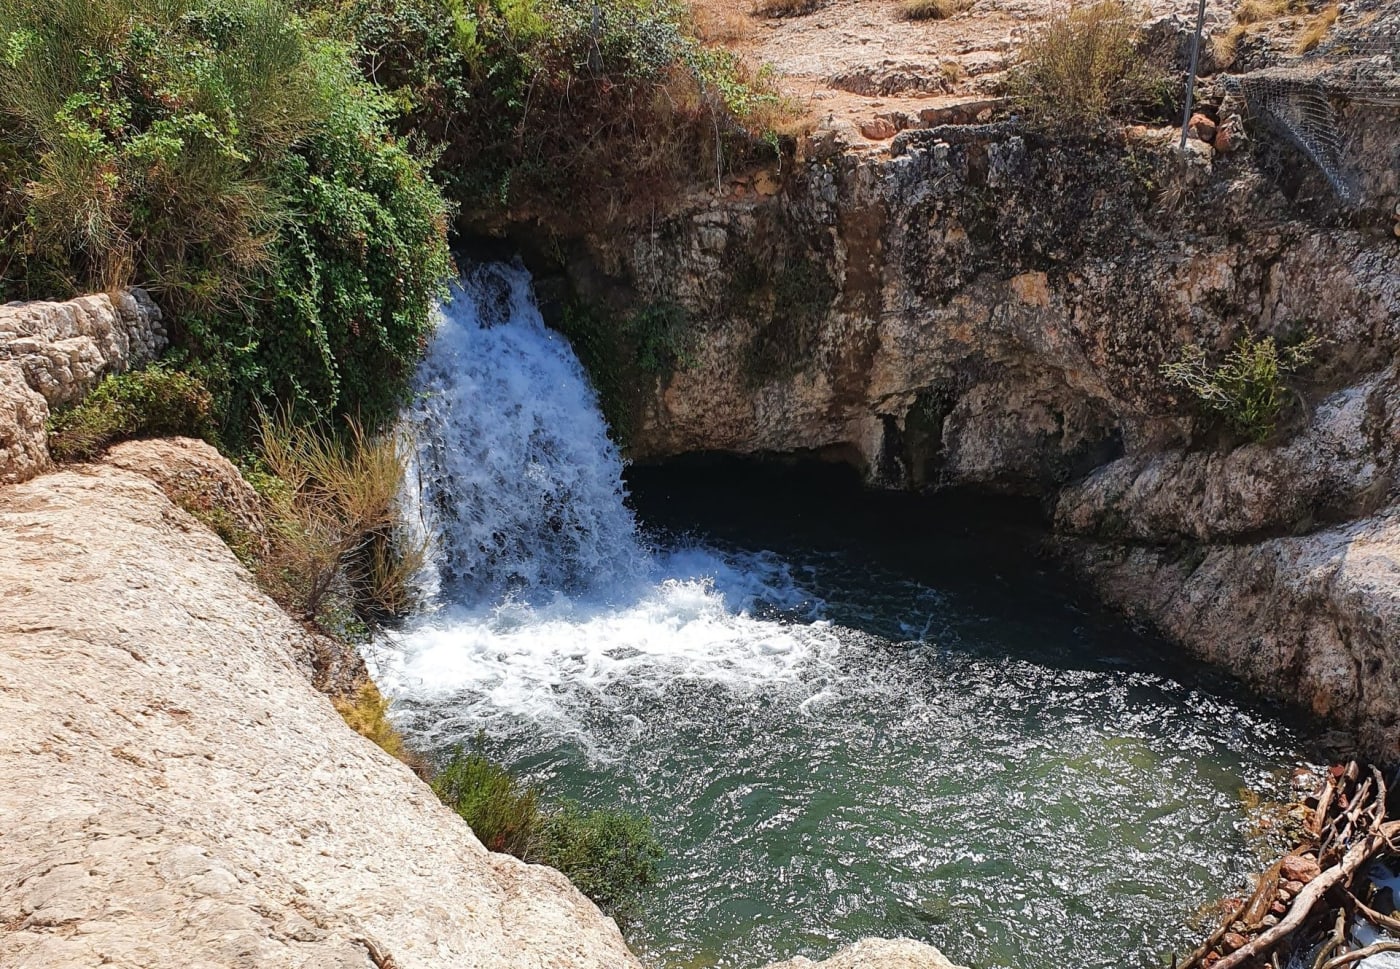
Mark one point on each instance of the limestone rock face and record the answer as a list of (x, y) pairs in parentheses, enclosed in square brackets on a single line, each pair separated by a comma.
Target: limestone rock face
[(876, 954), (988, 305), (51, 354), (174, 792), (1343, 465), (1313, 618)]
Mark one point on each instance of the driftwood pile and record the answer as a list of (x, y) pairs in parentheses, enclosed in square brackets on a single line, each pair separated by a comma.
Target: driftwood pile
[(1306, 903)]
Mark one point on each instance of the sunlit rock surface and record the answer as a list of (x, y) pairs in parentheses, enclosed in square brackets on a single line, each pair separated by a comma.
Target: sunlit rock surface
[(876, 954), (51, 354), (174, 792)]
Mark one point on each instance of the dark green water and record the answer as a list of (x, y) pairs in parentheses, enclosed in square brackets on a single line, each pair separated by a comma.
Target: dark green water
[(855, 716)]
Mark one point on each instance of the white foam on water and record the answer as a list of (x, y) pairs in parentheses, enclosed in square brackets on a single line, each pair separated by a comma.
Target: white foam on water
[(546, 599)]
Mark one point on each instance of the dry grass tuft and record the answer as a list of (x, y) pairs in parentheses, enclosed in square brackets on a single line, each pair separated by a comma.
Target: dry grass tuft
[(721, 26), (367, 713), (333, 521), (1225, 46), (1316, 30), (932, 9), (1260, 11), (787, 8), (952, 71), (1084, 65)]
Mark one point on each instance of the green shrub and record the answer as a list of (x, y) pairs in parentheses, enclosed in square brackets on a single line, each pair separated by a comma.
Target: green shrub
[(1085, 64), (223, 154), (583, 108), (1247, 388), (143, 403), (503, 813), (609, 855)]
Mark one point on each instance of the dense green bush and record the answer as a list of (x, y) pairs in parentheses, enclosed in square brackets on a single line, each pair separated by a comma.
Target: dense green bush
[(503, 813), (609, 855), (143, 403), (1247, 388), (590, 108), (223, 154)]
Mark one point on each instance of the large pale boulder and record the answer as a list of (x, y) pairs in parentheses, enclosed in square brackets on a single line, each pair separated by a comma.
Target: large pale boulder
[(174, 792)]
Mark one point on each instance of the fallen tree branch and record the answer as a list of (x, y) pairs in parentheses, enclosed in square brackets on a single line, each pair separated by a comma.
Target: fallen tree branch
[(1303, 904), (1358, 954)]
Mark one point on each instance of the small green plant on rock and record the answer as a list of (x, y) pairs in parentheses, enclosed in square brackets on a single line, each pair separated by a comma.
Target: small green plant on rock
[(609, 855), (1247, 389), (143, 403), (663, 337)]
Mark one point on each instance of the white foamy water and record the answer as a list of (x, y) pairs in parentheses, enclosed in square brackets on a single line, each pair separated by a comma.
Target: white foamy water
[(515, 477), (545, 597)]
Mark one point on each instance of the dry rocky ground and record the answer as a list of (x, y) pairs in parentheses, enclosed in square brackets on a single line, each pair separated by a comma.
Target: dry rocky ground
[(861, 67)]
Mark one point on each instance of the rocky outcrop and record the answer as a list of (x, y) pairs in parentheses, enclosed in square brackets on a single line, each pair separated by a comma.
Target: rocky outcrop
[(51, 354), (1314, 618), (989, 305), (876, 954), (1343, 465), (174, 792)]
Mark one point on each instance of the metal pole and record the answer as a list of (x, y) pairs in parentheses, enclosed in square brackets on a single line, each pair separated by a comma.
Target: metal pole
[(1191, 79)]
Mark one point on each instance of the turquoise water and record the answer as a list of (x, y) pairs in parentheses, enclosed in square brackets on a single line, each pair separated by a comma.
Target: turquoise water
[(847, 714)]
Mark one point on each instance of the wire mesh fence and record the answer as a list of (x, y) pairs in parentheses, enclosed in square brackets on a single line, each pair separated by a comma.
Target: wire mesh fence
[(1304, 100)]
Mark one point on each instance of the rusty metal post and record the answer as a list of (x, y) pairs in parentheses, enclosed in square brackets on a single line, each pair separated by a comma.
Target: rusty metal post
[(1191, 78)]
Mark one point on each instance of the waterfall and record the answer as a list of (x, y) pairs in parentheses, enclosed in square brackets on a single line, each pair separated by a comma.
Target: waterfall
[(517, 484), (829, 749)]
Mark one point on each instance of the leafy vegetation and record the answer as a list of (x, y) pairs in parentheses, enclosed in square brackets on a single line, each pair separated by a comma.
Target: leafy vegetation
[(144, 403), (1085, 65), (503, 813), (1247, 389), (609, 855), (590, 109), (262, 165), (223, 154)]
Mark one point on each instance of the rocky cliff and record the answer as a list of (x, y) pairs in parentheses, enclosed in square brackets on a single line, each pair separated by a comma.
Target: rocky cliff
[(959, 298), (51, 354)]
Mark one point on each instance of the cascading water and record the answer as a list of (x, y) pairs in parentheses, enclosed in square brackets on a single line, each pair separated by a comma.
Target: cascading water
[(830, 747)]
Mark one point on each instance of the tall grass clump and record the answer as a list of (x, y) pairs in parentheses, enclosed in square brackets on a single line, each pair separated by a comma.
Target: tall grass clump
[(580, 109), (609, 855), (230, 158), (1248, 388), (1086, 65), (333, 523)]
